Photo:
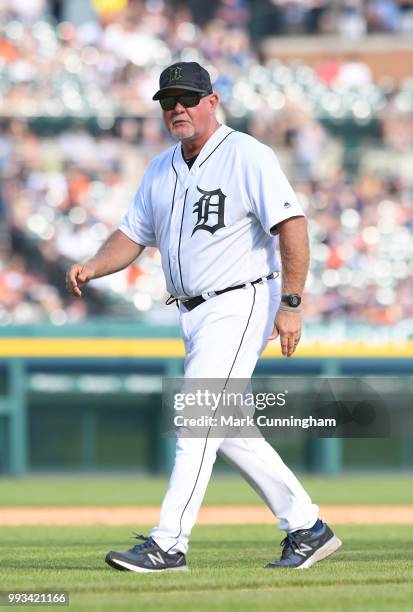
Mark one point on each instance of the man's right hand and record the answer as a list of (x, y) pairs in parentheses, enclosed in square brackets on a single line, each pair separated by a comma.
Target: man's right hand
[(78, 275), (116, 253)]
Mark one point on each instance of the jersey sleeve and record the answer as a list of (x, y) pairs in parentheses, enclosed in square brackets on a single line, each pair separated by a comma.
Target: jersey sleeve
[(138, 224), (272, 197)]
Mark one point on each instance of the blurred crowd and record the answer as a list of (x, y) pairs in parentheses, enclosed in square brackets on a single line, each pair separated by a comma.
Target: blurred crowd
[(78, 128), (347, 18), (259, 17), (109, 67)]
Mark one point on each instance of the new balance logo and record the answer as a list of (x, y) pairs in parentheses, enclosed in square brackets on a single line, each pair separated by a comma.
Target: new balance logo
[(304, 548), (155, 559)]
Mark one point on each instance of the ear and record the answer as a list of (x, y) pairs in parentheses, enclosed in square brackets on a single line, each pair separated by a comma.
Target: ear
[(213, 101)]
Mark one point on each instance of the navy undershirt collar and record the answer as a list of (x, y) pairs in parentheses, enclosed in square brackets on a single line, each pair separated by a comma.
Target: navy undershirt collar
[(189, 162)]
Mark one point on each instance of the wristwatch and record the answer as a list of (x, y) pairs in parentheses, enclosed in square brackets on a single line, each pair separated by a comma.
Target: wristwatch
[(292, 299)]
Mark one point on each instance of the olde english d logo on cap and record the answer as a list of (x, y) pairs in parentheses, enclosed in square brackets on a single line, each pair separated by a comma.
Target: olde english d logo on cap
[(176, 73)]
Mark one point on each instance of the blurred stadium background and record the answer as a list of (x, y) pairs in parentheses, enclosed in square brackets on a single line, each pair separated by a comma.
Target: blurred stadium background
[(327, 84)]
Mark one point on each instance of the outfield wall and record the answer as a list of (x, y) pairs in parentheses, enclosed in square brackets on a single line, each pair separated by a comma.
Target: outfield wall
[(89, 398)]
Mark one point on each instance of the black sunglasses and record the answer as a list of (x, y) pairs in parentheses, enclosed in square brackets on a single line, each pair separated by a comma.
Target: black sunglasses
[(187, 100)]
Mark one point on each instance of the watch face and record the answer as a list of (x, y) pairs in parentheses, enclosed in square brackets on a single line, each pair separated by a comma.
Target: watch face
[(293, 299)]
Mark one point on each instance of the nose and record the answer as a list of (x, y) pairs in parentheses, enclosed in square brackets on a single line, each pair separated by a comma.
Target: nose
[(178, 107)]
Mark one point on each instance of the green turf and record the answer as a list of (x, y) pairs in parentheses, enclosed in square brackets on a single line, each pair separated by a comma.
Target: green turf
[(372, 572), (140, 490)]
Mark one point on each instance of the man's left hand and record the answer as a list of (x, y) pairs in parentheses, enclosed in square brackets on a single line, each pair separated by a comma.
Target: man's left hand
[(287, 325)]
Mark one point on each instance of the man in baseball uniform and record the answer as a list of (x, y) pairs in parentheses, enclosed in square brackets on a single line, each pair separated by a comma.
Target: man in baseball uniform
[(215, 204)]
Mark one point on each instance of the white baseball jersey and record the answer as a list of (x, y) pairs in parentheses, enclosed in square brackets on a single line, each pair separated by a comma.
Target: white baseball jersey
[(212, 223)]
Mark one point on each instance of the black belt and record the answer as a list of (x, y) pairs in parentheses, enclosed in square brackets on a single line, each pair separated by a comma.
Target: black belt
[(199, 299)]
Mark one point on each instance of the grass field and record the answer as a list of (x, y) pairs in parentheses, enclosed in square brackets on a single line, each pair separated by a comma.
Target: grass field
[(371, 572), (140, 490)]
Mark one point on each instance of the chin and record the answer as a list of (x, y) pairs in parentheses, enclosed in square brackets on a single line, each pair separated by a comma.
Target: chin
[(182, 132)]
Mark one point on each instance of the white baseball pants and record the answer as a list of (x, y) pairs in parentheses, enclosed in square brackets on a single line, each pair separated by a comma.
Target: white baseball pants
[(224, 338)]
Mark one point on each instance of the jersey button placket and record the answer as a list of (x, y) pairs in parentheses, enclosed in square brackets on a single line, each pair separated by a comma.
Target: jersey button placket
[(174, 237), (175, 226)]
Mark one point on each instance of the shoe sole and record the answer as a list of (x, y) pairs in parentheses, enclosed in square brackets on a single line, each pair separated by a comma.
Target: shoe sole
[(129, 567), (329, 548)]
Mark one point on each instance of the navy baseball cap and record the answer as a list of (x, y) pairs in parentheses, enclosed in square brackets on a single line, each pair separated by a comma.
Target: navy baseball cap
[(184, 75)]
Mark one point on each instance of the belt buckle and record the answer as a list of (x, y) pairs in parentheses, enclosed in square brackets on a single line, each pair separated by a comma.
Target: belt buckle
[(208, 294)]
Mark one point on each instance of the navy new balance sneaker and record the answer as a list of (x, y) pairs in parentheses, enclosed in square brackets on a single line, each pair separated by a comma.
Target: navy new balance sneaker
[(303, 548), (146, 557)]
